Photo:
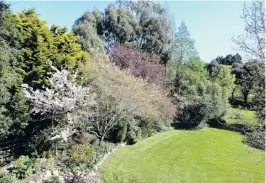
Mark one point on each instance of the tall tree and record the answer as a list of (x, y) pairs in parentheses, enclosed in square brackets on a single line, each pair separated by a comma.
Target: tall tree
[(39, 45), (248, 76), (143, 24), (252, 42), (205, 97), (183, 46), (13, 108)]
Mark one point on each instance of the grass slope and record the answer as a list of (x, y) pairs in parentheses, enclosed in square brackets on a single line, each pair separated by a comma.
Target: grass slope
[(208, 155), (241, 116)]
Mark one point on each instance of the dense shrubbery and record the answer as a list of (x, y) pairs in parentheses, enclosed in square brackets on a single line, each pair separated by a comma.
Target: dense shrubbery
[(127, 99), (206, 96), (256, 137)]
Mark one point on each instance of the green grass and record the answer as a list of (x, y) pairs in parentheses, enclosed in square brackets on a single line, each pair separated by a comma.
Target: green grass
[(207, 155), (241, 116), (239, 96)]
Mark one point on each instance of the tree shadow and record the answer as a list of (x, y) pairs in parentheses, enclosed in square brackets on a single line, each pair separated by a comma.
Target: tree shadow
[(243, 129)]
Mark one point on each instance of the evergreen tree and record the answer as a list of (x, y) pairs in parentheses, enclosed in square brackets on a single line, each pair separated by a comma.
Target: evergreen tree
[(13, 110), (183, 46), (39, 45)]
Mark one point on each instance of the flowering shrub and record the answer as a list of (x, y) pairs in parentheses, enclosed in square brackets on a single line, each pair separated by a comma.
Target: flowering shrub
[(65, 103)]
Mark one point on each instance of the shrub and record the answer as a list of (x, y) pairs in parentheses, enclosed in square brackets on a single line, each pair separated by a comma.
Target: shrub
[(82, 153), (8, 178), (46, 162), (102, 149), (122, 97), (256, 137), (53, 179), (205, 97), (23, 167)]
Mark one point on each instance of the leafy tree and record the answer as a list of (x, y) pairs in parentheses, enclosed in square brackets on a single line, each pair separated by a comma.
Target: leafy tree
[(220, 60), (36, 41), (124, 99), (248, 76), (204, 96), (143, 24), (86, 29), (183, 46), (225, 79), (13, 109), (252, 42), (191, 78), (139, 63), (170, 72)]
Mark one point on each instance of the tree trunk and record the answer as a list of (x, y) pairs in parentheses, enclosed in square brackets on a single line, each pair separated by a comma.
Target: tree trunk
[(232, 98), (102, 138), (246, 98)]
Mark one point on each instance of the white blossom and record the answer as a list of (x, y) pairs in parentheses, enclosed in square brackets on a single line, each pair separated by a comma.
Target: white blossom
[(64, 102)]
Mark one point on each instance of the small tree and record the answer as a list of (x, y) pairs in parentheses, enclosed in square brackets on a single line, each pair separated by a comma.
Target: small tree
[(183, 46), (249, 76), (252, 42), (108, 114), (65, 103)]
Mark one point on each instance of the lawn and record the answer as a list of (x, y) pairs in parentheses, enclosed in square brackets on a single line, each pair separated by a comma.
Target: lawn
[(240, 116), (207, 155)]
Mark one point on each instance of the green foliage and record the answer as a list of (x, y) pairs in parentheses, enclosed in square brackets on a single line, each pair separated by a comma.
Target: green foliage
[(123, 97), (8, 178), (122, 132), (183, 46), (45, 162), (82, 153), (38, 140), (191, 79), (13, 110), (241, 116), (39, 45), (23, 167), (256, 137), (249, 76), (170, 72), (205, 96), (143, 24), (53, 179)]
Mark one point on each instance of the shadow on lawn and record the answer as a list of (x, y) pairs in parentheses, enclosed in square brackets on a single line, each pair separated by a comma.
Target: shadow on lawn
[(254, 135), (243, 129)]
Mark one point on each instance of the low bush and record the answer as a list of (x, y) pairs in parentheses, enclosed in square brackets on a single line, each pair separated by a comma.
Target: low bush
[(8, 178), (53, 179), (23, 167), (255, 137), (46, 162), (82, 153)]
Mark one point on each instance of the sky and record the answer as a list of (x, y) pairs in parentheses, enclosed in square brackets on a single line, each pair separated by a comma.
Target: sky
[(212, 24)]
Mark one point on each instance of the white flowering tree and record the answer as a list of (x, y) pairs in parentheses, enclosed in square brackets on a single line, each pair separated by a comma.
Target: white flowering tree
[(65, 103)]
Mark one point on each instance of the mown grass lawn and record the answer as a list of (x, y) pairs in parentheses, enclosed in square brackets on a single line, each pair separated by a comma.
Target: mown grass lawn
[(241, 116), (207, 155)]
